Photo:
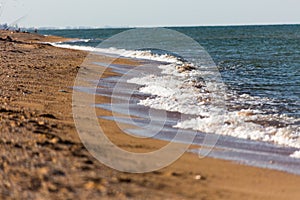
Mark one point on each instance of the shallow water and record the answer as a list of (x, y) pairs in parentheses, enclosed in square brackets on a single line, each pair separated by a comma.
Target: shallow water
[(260, 67), (254, 153)]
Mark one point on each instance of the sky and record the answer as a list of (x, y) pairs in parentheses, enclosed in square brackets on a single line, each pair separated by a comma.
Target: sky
[(147, 13)]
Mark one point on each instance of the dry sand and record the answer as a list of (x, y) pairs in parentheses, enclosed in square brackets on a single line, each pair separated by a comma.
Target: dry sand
[(42, 157)]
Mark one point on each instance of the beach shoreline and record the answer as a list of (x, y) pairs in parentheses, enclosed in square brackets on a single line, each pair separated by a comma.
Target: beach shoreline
[(42, 156)]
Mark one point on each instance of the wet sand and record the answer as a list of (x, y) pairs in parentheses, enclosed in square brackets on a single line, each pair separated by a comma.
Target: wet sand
[(42, 156)]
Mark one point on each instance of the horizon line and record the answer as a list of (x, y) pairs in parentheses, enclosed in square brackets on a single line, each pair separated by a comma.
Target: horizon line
[(158, 26)]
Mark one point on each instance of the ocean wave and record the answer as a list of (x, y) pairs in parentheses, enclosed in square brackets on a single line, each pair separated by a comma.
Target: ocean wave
[(246, 124), (137, 54), (75, 40), (79, 40), (296, 154), (178, 89)]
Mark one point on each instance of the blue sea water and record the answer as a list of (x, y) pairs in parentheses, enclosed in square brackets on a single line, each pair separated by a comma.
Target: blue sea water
[(260, 61), (260, 66)]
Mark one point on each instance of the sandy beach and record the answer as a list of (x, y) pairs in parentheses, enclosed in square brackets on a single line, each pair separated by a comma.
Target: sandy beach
[(42, 156)]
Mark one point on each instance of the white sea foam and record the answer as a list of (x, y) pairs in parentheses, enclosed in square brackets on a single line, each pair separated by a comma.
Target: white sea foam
[(147, 55), (296, 154), (247, 127), (176, 91), (76, 47), (79, 40), (173, 92)]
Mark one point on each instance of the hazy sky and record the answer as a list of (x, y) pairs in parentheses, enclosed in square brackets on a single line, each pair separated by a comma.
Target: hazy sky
[(122, 13)]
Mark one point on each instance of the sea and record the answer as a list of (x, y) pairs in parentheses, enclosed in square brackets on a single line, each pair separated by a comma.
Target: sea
[(258, 65)]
